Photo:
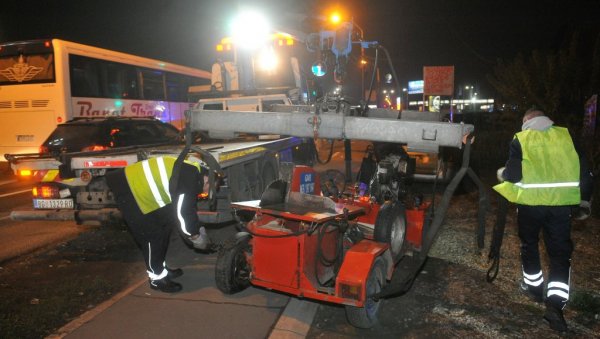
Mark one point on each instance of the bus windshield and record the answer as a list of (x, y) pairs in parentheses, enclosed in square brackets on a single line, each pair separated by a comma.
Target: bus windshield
[(26, 63)]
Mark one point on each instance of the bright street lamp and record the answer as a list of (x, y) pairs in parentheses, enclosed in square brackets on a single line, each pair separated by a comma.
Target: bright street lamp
[(250, 29)]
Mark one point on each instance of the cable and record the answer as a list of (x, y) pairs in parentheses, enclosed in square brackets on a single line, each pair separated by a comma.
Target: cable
[(364, 109)]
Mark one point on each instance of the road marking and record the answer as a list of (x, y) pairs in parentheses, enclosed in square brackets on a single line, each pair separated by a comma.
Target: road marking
[(5, 217), (14, 193), (296, 320), (7, 182)]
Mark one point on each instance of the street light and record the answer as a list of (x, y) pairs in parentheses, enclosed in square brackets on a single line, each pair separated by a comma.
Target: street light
[(405, 97), (250, 29)]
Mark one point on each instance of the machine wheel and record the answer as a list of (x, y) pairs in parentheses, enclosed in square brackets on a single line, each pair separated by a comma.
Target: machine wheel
[(232, 273), (390, 227), (367, 316), (268, 172)]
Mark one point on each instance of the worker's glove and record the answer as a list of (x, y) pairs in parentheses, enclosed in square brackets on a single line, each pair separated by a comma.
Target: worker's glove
[(200, 241), (582, 211), (499, 174)]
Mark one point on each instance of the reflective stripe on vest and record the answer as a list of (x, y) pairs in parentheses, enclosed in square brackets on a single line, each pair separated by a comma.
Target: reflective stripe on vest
[(149, 182), (550, 170)]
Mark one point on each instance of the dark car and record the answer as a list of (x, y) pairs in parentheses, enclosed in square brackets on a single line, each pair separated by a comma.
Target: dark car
[(96, 134)]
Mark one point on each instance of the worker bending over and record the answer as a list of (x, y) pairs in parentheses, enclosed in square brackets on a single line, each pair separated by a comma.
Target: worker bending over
[(151, 209)]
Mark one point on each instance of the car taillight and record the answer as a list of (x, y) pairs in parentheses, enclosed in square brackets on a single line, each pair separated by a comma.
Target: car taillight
[(24, 173), (94, 148), (46, 192), (43, 149)]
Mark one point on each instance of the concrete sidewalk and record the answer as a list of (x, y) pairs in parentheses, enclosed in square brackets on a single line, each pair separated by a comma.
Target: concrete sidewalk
[(199, 311)]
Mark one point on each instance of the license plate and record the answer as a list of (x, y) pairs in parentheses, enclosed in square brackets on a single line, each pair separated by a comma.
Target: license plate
[(53, 203)]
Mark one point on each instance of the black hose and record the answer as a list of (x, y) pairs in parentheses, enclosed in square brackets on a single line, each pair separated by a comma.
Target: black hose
[(328, 156), (498, 235)]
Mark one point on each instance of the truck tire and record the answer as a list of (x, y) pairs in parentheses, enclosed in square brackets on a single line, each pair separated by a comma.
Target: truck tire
[(232, 273), (367, 316), (390, 227)]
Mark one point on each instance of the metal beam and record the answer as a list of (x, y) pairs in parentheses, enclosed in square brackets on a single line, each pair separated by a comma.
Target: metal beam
[(418, 135)]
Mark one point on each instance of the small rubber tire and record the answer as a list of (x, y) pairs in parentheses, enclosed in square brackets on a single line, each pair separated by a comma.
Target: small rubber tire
[(367, 316), (390, 227), (269, 171), (232, 273)]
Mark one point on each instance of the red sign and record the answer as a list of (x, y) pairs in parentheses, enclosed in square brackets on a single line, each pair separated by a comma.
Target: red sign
[(105, 163), (438, 80)]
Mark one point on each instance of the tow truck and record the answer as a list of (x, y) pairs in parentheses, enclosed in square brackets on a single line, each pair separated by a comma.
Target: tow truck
[(72, 187), (352, 246)]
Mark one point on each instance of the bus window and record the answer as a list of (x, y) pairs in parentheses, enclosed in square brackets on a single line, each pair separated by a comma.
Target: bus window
[(25, 68), (176, 87), (153, 87), (84, 76), (121, 81)]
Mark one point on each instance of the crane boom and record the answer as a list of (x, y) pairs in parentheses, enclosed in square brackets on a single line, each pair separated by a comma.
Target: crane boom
[(425, 136)]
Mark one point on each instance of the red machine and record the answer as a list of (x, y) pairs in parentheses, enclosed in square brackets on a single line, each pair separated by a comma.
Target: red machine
[(341, 249)]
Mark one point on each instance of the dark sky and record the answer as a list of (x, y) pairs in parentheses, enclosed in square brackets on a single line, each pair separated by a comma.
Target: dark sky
[(469, 34)]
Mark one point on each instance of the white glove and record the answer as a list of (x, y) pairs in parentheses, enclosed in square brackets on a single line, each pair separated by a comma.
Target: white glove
[(499, 174), (200, 241), (583, 211)]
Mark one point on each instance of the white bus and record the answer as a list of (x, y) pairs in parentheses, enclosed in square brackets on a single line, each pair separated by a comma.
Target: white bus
[(47, 82)]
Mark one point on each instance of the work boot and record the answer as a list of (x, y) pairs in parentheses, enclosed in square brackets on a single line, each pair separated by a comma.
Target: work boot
[(535, 293), (200, 241), (554, 317), (165, 285), (173, 273)]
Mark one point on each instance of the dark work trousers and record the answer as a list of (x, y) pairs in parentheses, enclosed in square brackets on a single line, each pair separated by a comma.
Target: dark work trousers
[(150, 231), (555, 222)]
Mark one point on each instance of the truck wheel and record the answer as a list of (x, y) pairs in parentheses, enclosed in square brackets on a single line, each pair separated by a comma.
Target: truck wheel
[(367, 316), (390, 227), (232, 273)]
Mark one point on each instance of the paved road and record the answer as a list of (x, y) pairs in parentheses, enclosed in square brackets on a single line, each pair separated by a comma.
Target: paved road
[(18, 237)]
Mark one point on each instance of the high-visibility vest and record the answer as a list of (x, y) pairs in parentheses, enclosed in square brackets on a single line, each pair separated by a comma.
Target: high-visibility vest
[(149, 182), (550, 169)]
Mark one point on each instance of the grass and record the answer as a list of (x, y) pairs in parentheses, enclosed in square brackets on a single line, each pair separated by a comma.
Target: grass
[(28, 315)]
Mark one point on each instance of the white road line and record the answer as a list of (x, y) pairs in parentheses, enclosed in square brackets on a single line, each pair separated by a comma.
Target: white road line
[(5, 217), (7, 182), (14, 193)]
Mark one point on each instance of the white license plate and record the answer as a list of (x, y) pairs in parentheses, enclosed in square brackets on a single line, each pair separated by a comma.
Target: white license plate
[(53, 203)]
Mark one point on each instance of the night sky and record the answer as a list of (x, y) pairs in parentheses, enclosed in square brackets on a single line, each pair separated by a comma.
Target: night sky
[(469, 34)]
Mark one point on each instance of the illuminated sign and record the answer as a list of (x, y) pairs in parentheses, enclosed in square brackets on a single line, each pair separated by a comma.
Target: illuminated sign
[(415, 87)]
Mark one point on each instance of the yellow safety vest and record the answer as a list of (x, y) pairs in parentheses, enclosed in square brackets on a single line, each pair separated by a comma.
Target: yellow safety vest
[(149, 182), (550, 169)]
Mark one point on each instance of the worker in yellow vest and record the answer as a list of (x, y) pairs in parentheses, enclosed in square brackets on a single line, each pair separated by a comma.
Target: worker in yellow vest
[(548, 179), (150, 209)]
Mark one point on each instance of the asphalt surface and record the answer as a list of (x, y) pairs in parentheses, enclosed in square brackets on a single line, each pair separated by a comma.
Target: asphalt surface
[(446, 300)]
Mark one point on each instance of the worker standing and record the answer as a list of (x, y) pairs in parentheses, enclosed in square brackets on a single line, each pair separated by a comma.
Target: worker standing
[(150, 209), (546, 177)]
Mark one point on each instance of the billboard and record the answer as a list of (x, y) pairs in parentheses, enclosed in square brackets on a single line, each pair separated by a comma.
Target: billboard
[(415, 87), (438, 80)]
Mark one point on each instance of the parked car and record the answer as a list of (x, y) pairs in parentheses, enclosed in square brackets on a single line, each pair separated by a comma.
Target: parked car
[(96, 134)]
